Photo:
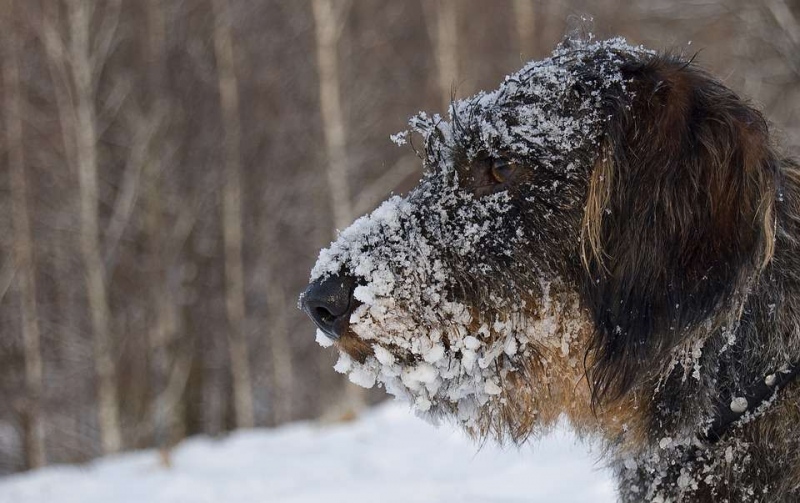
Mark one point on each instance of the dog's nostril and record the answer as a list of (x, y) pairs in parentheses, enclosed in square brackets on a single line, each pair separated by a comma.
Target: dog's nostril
[(324, 315), (329, 303)]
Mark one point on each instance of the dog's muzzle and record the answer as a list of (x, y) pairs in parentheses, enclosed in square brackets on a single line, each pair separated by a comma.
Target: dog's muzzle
[(329, 303)]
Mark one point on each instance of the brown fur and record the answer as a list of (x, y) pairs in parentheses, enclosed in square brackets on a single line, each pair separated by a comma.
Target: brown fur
[(698, 160)]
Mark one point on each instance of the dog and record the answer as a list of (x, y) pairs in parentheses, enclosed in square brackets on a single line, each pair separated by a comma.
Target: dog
[(610, 236)]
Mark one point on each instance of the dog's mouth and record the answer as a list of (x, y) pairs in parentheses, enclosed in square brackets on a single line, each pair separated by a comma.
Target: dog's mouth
[(450, 364), (454, 363), (348, 343)]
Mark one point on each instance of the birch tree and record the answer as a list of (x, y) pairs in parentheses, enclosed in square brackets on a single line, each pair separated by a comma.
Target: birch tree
[(169, 362), (328, 25), (232, 215), (442, 20), (23, 243), (280, 347), (82, 58), (75, 67), (525, 25)]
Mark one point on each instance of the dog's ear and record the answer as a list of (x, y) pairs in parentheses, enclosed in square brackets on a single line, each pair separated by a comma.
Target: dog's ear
[(678, 218)]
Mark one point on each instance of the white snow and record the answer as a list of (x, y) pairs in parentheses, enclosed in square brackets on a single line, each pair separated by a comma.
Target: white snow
[(388, 456), (739, 404), (323, 340)]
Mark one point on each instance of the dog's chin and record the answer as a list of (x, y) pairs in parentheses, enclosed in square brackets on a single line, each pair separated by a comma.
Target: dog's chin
[(453, 367)]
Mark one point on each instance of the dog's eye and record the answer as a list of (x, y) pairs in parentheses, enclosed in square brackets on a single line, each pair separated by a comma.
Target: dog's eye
[(488, 174), (502, 170)]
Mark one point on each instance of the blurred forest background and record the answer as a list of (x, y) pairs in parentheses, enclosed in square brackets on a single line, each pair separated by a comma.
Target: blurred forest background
[(169, 170)]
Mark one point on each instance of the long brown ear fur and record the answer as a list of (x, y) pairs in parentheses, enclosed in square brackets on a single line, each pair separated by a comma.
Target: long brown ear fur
[(679, 217)]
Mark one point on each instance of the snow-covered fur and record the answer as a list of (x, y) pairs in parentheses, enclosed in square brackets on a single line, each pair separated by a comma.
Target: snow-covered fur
[(610, 236)]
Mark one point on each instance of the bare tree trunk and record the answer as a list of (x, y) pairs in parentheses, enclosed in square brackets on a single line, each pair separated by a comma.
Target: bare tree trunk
[(23, 246), (166, 419), (170, 360), (443, 25), (280, 350), (282, 395), (525, 24), (81, 59), (328, 24), (557, 15), (232, 217)]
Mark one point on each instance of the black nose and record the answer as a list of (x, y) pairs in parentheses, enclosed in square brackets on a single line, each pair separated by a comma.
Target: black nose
[(329, 302)]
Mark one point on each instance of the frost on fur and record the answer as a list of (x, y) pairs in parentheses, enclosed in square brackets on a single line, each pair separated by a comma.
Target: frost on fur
[(444, 331)]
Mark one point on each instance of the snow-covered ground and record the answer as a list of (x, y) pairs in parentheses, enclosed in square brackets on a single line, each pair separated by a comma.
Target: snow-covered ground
[(387, 456)]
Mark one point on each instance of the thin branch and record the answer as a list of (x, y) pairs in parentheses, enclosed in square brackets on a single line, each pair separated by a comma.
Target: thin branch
[(57, 59), (167, 400), (7, 274), (785, 19), (145, 129), (106, 38), (113, 104)]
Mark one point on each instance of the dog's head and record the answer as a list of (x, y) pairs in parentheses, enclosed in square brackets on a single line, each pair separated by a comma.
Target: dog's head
[(573, 223)]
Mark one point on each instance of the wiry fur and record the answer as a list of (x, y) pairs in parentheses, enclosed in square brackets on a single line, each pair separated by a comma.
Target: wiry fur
[(671, 256), (691, 246)]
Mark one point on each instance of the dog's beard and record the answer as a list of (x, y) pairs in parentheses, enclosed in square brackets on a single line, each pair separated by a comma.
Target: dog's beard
[(456, 365)]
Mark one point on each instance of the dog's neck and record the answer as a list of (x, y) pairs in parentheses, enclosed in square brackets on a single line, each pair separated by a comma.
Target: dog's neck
[(769, 358), (758, 396)]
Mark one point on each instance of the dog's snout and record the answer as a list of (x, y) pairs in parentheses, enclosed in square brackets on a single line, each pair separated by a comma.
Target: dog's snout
[(329, 303)]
